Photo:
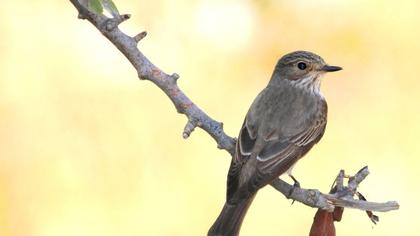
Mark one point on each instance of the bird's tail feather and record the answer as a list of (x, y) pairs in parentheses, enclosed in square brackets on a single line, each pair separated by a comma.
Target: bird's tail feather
[(230, 219)]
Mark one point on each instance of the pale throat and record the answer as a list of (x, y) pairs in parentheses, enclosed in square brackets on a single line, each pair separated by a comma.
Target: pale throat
[(310, 84)]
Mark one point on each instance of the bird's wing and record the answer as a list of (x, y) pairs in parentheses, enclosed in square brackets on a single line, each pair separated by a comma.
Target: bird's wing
[(280, 154), (244, 147), (246, 140), (276, 156)]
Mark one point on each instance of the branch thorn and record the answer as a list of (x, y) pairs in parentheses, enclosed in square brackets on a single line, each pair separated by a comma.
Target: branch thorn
[(112, 23), (141, 76), (175, 76), (189, 128), (125, 17), (81, 16), (140, 36)]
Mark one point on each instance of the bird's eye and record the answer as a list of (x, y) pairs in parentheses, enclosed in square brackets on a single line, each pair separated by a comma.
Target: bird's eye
[(301, 65)]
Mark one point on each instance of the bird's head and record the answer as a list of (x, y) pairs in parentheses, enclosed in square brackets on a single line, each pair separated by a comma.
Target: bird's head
[(303, 69)]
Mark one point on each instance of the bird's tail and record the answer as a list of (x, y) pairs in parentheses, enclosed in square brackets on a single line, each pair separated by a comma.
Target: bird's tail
[(230, 219)]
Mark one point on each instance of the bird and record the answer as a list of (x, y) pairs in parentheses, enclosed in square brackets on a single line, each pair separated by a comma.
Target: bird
[(286, 119)]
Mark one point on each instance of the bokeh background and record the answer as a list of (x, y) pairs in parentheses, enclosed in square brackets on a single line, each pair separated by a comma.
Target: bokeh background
[(88, 149)]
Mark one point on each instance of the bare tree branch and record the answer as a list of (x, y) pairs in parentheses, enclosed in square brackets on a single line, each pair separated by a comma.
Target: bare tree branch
[(146, 70), (343, 197)]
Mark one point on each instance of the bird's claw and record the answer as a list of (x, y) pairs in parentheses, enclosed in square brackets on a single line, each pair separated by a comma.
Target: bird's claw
[(296, 185)]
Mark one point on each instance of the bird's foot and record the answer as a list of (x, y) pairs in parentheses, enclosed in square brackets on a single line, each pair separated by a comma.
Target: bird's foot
[(296, 185)]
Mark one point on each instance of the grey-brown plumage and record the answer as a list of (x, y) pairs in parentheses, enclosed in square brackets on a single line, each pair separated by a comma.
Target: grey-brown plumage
[(283, 123)]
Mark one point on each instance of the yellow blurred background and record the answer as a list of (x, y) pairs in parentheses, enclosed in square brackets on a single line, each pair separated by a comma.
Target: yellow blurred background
[(88, 149)]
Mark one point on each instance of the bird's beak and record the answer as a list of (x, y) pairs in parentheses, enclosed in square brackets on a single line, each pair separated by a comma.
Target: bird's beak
[(328, 68)]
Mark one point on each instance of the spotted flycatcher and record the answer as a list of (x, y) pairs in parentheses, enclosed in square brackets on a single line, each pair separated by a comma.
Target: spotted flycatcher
[(284, 122)]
